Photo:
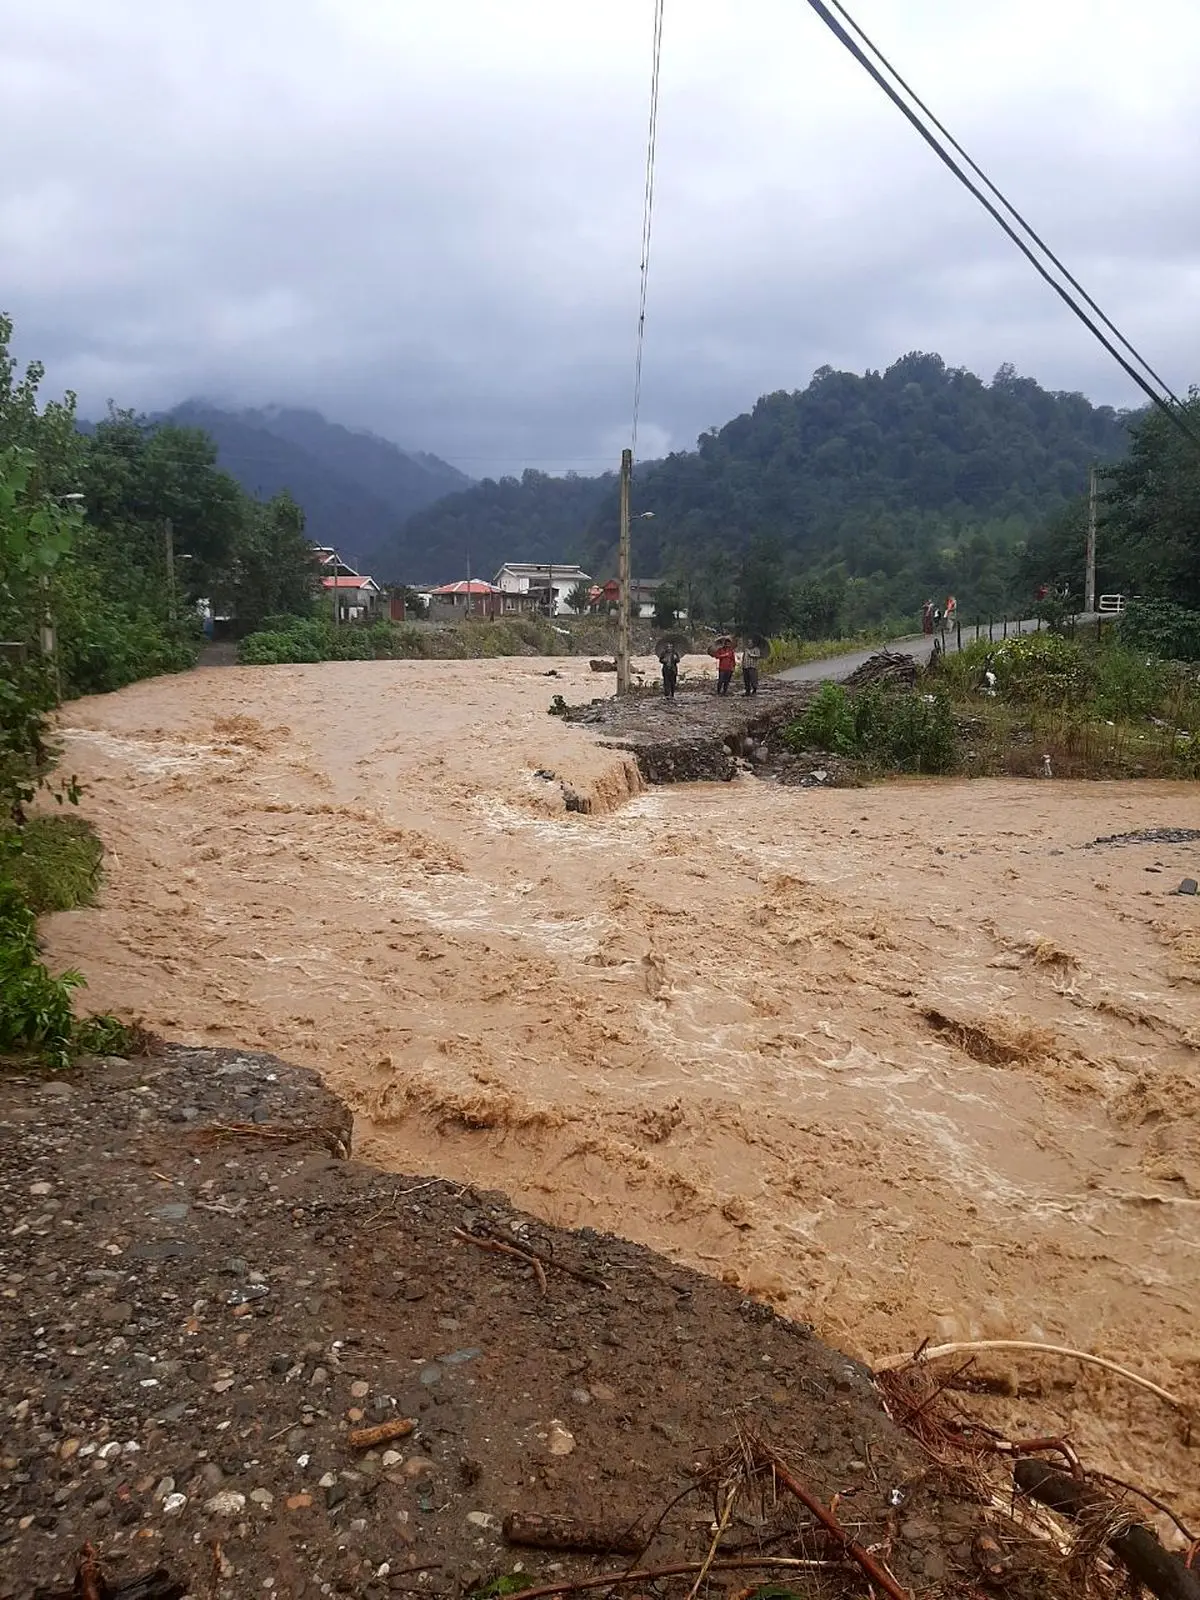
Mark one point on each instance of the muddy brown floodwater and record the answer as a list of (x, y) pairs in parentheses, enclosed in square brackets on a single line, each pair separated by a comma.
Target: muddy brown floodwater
[(909, 1061)]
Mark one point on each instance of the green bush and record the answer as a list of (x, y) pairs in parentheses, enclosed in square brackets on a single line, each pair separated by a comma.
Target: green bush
[(1163, 629), (899, 732), (1042, 669), (1129, 686), (827, 724), (35, 1006)]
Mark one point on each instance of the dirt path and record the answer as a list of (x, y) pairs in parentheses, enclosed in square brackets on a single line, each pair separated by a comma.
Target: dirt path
[(907, 1061)]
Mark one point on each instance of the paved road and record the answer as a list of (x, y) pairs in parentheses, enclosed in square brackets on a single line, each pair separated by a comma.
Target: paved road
[(917, 645)]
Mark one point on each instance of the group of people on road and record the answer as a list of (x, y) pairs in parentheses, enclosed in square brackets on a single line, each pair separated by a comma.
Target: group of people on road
[(934, 618), (725, 653)]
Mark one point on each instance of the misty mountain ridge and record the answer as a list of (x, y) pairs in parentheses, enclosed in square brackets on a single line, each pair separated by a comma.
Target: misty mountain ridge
[(877, 479), (356, 488)]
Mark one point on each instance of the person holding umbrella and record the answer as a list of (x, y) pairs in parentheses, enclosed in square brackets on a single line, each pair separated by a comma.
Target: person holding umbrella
[(726, 657)]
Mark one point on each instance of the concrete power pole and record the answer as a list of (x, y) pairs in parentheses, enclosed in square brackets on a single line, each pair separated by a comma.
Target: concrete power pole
[(169, 532), (1089, 577), (623, 577)]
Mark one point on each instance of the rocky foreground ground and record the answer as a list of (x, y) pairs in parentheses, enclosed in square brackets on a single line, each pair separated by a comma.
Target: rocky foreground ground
[(205, 1301)]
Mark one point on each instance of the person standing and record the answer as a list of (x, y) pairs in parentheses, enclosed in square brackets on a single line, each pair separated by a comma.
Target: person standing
[(751, 656), (726, 657), (927, 619), (669, 657)]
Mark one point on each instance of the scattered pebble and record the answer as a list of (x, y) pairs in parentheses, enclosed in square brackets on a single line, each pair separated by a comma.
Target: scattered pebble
[(225, 1503)]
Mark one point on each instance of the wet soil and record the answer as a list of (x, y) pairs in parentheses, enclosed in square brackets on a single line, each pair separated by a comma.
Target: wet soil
[(203, 1297)]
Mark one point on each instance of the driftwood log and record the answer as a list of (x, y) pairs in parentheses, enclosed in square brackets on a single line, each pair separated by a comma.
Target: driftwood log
[(1162, 1572), (565, 1533)]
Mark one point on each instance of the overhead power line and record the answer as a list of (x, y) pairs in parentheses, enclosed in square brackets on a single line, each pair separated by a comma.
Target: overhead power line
[(1002, 198), (647, 217), (1160, 396)]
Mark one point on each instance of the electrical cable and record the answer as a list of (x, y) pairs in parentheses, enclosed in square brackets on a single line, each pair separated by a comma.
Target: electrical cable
[(1003, 198), (948, 160), (647, 218)]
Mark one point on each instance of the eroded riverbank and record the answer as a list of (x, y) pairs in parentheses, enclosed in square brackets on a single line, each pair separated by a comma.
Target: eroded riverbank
[(702, 1016)]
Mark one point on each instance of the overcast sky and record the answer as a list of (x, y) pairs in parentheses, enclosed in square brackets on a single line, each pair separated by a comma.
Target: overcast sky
[(423, 216)]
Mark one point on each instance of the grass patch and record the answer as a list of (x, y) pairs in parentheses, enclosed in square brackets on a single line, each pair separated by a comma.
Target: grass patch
[(55, 865), (782, 653)]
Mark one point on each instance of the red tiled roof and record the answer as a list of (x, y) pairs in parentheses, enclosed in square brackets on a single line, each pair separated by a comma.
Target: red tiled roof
[(357, 582), (475, 586)]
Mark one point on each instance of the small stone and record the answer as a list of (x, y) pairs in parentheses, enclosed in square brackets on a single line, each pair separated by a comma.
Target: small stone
[(175, 1212), (319, 1378), (355, 1414), (457, 1357), (225, 1503), (173, 1504), (392, 1458), (559, 1441), (108, 1451), (581, 1397), (482, 1519), (299, 1502), (262, 1497), (40, 1188), (163, 1488), (1188, 886), (68, 1448), (328, 1481), (223, 1385), (602, 1391), (360, 1390), (430, 1374), (334, 1495)]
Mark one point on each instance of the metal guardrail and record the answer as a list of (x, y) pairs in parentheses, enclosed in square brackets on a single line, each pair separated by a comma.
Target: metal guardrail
[(1112, 605)]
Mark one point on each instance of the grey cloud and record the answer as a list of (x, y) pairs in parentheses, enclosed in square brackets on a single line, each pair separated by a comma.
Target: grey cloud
[(426, 220)]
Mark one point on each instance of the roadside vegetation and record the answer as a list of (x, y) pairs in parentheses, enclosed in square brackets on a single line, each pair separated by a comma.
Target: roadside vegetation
[(1082, 708)]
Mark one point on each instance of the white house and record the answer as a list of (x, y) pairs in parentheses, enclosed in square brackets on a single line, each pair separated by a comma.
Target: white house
[(545, 588)]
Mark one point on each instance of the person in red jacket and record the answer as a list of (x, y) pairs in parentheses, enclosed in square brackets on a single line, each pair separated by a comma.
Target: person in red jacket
[(726, 661)]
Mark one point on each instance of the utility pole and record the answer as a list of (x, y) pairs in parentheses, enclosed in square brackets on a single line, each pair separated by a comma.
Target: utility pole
[(623, 577), (169, 532), (1089, 579)]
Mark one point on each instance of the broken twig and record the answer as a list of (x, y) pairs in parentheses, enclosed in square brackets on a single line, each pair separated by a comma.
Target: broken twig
[(500, 1248), (939, 1352), (872, 1568), (565, 1533), (606, 1580), (366, 1438)]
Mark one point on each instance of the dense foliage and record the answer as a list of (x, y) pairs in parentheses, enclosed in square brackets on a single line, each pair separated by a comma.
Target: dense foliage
[(531, 518), (892, 732)]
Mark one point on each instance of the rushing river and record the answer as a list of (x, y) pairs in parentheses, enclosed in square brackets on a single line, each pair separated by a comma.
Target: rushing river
[(908, 1061)]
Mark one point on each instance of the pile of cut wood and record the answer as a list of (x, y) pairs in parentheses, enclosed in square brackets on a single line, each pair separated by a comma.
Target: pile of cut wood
[(897, 671)]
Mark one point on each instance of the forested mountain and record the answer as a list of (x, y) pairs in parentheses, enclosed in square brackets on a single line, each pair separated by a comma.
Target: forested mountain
[(885, 488), (355, 489), (531, 518), (891, 487)]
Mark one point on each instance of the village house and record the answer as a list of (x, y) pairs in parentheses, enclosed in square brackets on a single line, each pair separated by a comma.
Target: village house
[(469, 597), (643, 592), (529, 586)]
